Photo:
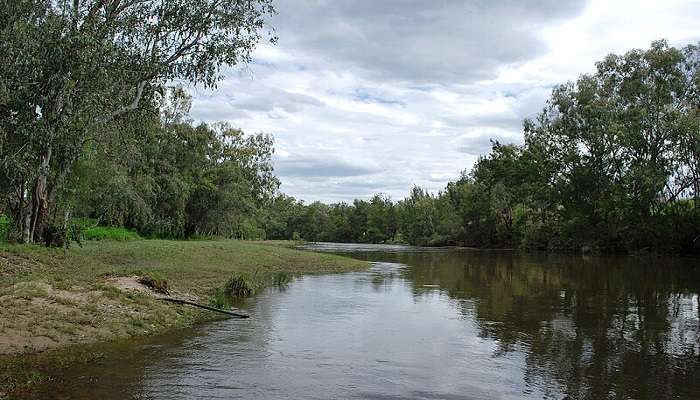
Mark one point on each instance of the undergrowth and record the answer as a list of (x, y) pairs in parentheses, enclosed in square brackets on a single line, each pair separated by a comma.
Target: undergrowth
[(110, 233)]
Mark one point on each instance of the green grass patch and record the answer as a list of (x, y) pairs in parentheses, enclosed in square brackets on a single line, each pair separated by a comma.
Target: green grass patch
[(5, 223), (190, 266), (245, 284), (110, 233)]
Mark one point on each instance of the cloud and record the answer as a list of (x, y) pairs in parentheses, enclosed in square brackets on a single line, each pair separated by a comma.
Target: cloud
[(448, 41), (481, 144), (321, 168), (376, 96)]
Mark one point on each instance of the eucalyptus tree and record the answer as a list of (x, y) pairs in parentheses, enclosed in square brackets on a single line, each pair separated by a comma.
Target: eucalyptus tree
[(69, 69), (617, 150)]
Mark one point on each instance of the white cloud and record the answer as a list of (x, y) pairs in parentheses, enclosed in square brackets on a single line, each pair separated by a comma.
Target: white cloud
[(366, 97)]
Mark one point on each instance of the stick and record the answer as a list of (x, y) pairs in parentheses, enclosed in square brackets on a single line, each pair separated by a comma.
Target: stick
[(180, 301)]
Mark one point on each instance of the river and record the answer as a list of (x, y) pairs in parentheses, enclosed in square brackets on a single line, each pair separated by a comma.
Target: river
[(431, 324)]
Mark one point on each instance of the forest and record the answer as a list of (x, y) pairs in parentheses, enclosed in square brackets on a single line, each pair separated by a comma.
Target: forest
[(96, 128)]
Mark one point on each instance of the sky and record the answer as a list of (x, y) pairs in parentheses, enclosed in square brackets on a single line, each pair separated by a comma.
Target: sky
[(376, 96)]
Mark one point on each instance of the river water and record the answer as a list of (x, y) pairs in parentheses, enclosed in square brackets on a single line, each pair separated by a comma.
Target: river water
[(431, 324)]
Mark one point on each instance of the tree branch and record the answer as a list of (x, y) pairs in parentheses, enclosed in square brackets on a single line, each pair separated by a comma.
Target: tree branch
[(133, 105)]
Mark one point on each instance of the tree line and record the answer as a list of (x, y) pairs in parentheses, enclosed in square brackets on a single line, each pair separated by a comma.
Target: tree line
[(611, 164), (93, 124)]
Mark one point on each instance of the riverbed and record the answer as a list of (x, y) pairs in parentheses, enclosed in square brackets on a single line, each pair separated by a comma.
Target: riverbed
[(430, 324)]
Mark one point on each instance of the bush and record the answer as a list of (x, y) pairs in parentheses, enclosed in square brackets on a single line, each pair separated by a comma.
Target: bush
[(110, 233), (5, 223)]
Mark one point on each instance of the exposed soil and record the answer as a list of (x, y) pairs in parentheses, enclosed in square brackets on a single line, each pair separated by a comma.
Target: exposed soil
[(35, 316)]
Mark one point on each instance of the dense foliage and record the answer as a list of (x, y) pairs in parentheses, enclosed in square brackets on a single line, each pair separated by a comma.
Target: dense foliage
[(73, 72)]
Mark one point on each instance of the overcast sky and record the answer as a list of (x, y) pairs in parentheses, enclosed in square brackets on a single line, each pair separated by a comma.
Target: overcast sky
[(368, 96)]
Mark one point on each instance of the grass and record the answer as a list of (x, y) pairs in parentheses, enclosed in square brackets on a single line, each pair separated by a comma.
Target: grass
[(155, 281), (89, 228), (244, 284), (52, 299), (4, 226), (110, 233), (196, 268)]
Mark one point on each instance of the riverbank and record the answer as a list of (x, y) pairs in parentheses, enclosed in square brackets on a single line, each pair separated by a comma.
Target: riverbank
[(51, 298), (65, 301)]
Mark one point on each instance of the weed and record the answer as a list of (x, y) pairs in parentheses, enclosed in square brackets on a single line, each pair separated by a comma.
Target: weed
[(220, 299), (241, 285)]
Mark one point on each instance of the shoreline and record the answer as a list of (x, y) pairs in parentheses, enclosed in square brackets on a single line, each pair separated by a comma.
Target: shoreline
[(56, 302)]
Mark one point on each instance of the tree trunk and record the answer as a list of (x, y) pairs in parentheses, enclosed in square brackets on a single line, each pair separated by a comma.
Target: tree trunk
[(26, 227), (40, 206)]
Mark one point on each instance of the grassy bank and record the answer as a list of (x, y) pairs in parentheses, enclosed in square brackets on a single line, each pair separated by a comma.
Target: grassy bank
[(51, 298), (55, 300)]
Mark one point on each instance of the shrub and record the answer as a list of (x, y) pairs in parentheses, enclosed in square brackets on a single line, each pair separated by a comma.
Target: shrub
[(5, 223), (110, 233)]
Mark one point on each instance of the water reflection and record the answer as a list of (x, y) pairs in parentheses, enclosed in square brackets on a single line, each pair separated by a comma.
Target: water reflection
[(428, 324), (591, 328)]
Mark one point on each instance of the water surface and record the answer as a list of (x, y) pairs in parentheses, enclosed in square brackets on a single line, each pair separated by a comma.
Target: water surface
[(432, 324)]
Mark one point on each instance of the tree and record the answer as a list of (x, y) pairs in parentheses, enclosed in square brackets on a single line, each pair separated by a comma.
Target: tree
[(617, 150), (71, 69)]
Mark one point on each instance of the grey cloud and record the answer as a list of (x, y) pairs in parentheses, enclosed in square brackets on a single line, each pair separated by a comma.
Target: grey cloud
[(526, 104), (345, 189), (420, 41), (272, 99), (509, 122), (238, 98), (320, 168)]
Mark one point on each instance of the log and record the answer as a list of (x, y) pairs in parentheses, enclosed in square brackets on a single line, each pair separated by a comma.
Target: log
[(191, 303)]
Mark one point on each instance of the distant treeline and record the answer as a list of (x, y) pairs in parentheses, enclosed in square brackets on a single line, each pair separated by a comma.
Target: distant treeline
[(611, 164)]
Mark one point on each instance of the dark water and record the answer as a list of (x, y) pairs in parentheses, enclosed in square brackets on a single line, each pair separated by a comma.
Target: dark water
[(432, 324)]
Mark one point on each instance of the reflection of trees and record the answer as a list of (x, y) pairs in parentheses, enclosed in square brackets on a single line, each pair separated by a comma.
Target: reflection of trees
[(594, 329)]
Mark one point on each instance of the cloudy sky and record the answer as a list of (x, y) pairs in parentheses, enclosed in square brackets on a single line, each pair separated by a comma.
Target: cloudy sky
[(368, 96)]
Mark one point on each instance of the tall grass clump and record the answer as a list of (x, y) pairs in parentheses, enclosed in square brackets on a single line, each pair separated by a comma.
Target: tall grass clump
[(242, 285), (245, 285)]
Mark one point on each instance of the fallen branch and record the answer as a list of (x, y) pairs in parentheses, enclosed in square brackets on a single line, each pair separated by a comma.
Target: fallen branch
[(180, 301)]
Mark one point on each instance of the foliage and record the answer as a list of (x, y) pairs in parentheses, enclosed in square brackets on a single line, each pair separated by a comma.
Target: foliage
[(90, 130), (110, 233), (4, 226), (170, 178), (74, 73)]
